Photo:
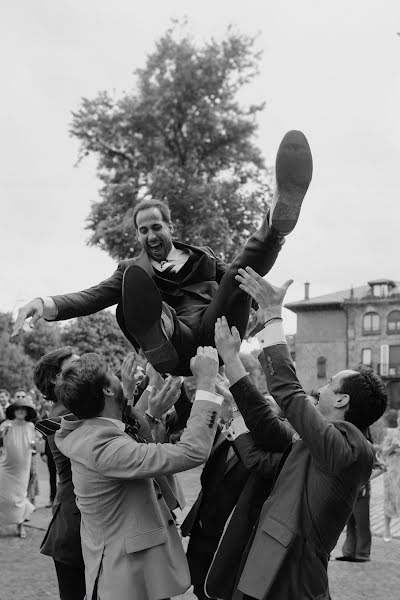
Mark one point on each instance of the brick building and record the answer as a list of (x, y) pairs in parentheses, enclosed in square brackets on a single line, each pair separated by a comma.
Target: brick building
[(347, 329)]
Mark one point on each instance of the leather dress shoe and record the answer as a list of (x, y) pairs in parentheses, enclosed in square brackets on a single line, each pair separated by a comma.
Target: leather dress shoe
[(293, 173), (148, 319)]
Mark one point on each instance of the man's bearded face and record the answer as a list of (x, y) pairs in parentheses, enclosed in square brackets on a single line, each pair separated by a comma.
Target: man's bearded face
[(154, 233)]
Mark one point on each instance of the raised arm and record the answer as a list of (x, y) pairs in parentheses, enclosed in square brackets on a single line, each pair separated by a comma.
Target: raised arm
[(121, 457), (252, 456), (268, 430), (332, 446), (77, 304)]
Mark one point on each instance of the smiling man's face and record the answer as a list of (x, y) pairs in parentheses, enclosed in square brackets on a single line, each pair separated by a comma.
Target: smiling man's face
[(154, 233)]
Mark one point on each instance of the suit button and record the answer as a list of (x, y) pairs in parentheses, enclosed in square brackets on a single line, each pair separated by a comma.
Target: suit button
[(159, 496), (171, 521)]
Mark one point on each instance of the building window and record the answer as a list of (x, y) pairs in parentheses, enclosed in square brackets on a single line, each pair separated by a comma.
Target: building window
[(394, 360), (321, 367), (366, 357), (393, 322), (371, 322), (381, 290)]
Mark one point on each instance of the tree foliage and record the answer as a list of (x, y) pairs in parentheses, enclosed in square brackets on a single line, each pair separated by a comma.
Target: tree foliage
[(97, 333), (181, 136), (42, 339), (16, 368)]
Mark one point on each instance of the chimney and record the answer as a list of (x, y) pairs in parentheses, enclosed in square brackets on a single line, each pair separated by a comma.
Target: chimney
[(306, 290), (352, 293)]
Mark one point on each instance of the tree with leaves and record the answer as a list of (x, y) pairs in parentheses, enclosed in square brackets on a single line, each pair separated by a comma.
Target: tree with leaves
[(16, 368), (181, 136), (97, 333), (42, 339)]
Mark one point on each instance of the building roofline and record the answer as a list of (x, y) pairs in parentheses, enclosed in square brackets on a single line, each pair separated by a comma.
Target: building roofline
[(308, 305)]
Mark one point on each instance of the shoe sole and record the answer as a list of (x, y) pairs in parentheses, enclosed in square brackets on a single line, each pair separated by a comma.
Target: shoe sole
[(293, 173), (142, 315)]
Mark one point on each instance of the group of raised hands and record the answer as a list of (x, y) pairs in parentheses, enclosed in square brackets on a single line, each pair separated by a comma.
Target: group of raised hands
[(227, 341), (205, 364)]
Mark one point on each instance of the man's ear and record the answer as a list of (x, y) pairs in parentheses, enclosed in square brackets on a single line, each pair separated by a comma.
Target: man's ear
[(107, 391), (171, 227), (342, 401)]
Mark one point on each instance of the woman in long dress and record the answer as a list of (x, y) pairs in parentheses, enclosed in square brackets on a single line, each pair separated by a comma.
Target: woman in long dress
[(18, 437), (391, 456)]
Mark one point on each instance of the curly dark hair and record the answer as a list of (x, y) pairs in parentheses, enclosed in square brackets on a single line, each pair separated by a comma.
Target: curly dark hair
[(368, 398), (47, 369), (80, 386)]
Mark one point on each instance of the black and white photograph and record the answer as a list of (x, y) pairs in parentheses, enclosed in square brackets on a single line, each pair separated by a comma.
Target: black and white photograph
[(200, 300)]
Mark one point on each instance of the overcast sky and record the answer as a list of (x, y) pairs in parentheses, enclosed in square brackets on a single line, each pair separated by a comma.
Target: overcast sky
[(330, 68)]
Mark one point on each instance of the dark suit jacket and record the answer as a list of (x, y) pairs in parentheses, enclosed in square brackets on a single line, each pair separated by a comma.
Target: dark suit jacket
[(62, 540), (221, 484), (314, 493), (263, 466), (189, 297)]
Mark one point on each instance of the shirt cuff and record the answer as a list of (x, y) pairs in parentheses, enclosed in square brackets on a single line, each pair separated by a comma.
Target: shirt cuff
[(272, 334), (203, 395), (50, 309), (236, 428)]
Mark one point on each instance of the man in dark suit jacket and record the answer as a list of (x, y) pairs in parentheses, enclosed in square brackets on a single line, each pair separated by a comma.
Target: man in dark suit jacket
[(324, 469), (171, 294), (233, 461), (62, 540)]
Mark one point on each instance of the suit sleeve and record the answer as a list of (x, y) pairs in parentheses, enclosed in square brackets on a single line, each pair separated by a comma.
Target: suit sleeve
[(333, 447), (86, 302), (121, 457), (269, 432), (256, 460)]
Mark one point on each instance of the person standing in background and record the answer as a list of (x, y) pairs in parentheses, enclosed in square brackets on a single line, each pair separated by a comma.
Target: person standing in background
[(18, 436)]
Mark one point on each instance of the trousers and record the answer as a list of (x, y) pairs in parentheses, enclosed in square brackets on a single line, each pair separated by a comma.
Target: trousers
[(358, 532), (71, 581), (260, 253)]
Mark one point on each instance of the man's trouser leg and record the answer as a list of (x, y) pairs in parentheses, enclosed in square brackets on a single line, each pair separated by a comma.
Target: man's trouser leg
[(349, 546), (363, 536), (199, 554), (259, 253), (71, 581)]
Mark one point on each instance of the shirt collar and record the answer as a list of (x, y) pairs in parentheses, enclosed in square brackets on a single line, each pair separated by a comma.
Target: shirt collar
[(116, 422)]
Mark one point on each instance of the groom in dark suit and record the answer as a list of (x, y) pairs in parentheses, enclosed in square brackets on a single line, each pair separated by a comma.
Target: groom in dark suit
[(323, 467), (170, 296)]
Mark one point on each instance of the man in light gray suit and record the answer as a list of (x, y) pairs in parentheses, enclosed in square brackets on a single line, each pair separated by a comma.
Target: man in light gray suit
[(130, 544)]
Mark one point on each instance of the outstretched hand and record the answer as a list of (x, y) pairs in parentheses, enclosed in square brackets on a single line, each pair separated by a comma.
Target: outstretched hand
[(204, 365), (269, 297), (33, 309), (227, 341), (128, 370), (160, 403)]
